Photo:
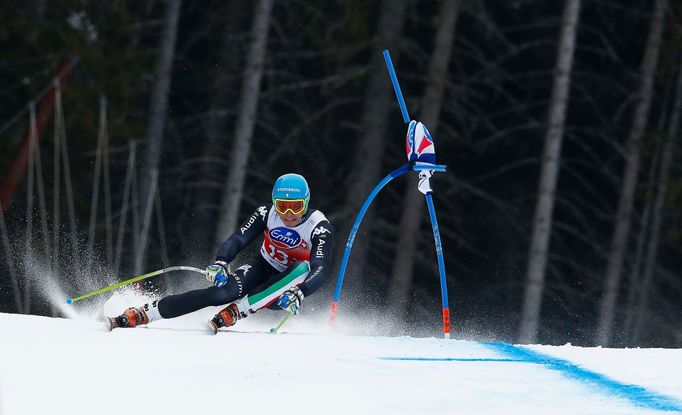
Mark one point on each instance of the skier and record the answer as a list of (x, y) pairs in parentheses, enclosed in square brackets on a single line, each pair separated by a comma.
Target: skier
[(293, 262)]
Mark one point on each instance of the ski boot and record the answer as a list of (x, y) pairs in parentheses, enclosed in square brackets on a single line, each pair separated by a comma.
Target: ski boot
[(225, 318), (134, 316)]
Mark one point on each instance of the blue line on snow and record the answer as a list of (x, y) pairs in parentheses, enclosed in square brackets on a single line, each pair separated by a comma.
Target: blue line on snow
[(638, 395), (450, 359)]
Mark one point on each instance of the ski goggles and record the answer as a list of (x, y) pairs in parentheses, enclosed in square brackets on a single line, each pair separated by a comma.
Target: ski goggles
[(295, 206)]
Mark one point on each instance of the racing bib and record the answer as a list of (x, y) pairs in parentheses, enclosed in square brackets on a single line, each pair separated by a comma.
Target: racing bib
[(282, 245)]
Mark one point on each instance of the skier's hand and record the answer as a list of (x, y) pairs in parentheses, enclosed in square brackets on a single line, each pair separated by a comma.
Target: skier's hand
[(218, 273), (291, 299)]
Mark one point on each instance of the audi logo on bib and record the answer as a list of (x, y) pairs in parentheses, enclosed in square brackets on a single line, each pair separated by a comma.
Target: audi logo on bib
[(285, 238)]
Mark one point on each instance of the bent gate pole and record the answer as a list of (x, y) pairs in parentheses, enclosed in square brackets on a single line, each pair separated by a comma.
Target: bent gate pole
[(432, 213), (351, 238)]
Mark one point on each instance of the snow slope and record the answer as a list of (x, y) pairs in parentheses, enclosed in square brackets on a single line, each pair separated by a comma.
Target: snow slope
[(66, 366)]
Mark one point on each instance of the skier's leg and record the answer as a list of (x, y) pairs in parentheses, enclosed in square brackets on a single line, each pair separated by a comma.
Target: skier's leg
[(265, 294), (243, 279), (261, 295), (252, 275)]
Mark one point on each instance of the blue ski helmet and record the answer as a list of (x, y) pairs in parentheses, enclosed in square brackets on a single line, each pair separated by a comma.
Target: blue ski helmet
[(291, 186)]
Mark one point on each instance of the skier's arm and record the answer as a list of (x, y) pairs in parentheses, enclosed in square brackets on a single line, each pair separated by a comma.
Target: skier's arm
[(320, 257), (247, 233)]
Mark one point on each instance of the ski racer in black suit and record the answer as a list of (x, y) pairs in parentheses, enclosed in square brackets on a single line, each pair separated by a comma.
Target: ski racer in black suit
[(292, 263)]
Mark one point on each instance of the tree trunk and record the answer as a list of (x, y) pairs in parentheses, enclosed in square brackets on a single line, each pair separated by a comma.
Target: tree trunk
[(637, 258), (209, 182), (243, 135), (365, 170), (411, 219), (657, 215), (157, 119), (644, 223), (551, 159), (621, 233)]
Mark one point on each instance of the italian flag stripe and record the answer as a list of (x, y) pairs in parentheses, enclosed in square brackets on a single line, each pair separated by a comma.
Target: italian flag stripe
[(279, 285)]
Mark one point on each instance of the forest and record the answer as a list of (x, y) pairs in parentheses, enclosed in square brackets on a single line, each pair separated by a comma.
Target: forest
[(136, 135)]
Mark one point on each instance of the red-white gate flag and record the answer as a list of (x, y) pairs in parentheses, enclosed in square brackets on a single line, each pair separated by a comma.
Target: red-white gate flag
[(419, 144)]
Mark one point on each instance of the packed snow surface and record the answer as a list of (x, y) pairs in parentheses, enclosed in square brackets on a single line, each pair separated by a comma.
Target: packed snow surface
[(74, 366)]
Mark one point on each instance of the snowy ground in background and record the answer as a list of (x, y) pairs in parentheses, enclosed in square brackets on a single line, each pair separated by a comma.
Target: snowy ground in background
[(74, 366)]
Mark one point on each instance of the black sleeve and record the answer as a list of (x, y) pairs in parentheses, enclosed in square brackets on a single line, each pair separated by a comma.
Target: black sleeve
[(320, 257), (247, 233)]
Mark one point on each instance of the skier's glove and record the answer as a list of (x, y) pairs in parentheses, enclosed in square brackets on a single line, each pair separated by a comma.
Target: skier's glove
[(218, 273), (291, 300)]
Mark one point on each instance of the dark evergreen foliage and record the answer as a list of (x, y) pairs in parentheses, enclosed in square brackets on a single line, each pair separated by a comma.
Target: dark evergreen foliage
[(317, 66)]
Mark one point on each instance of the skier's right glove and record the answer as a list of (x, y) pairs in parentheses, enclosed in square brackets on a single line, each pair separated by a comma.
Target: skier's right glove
[(218, 273), (291, 299)]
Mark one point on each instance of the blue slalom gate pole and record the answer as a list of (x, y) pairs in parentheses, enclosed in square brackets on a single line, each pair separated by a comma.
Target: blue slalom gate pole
[(396, 86), (441, 266), (429, 200), (416, 166), (351, 238)]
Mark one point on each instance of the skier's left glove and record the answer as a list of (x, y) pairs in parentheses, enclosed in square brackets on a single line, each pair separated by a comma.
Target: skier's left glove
[(291, 300), (218, 273)]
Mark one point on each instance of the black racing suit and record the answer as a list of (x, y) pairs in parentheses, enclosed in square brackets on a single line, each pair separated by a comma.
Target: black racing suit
[(256, 274)]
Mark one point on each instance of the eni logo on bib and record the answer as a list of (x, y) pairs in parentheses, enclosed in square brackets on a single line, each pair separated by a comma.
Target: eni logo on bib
[(285, 238)]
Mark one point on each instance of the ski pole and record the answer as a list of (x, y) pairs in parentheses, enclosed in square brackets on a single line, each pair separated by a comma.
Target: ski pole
[(281, 323), (132, 280)]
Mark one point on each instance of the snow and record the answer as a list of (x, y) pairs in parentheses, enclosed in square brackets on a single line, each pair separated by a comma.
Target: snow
[(658, 369), (74, 366)]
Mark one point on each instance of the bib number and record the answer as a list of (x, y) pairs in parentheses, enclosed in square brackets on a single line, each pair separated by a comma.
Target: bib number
[(278, 255)]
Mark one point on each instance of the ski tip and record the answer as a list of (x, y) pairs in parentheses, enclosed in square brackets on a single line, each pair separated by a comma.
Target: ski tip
[(108, 323), (69, 301), (213, 327)]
